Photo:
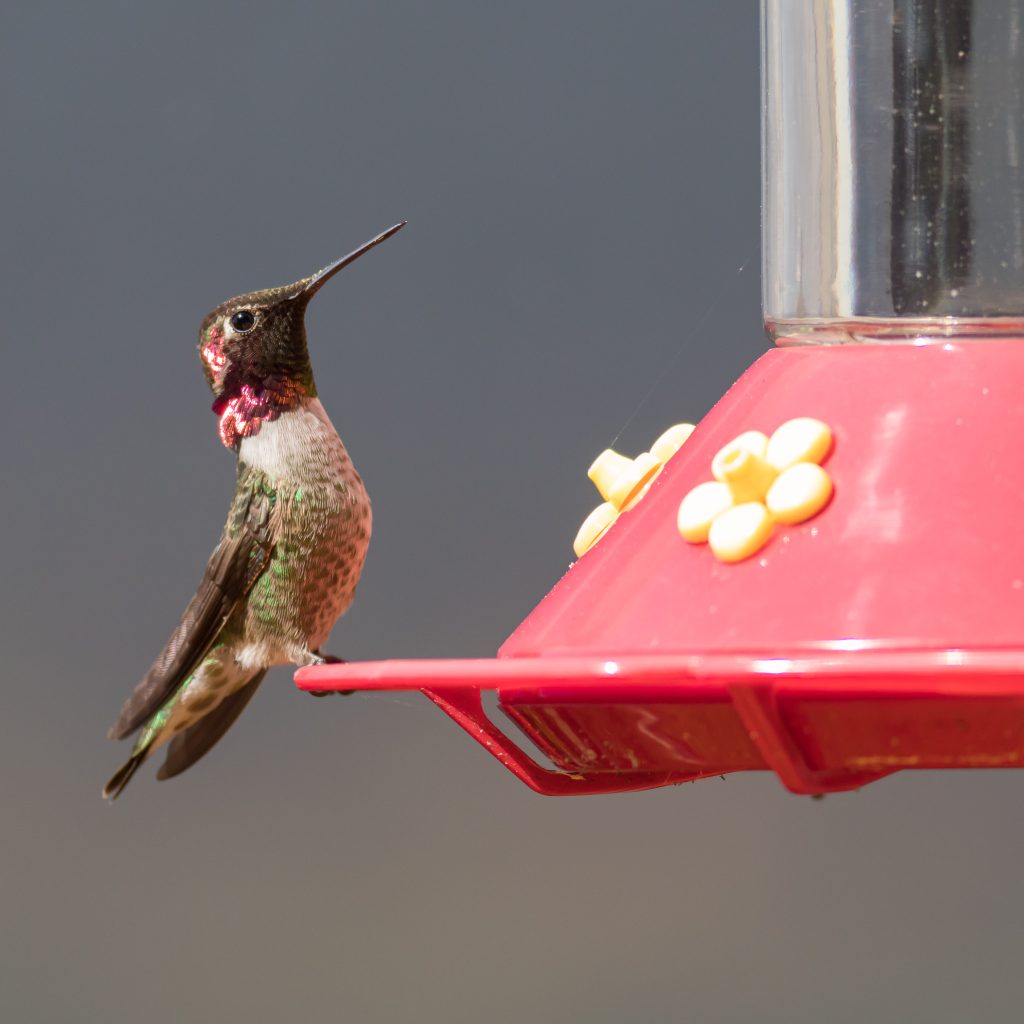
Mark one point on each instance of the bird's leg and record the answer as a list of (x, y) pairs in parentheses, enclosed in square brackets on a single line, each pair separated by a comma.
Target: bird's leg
[(317, 658)]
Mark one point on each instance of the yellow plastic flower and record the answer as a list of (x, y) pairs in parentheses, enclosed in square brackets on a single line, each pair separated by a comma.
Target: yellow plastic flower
[(759, 481), (623, 481)]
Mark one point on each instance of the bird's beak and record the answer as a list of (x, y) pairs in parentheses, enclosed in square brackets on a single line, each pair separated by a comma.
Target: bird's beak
[(313, 284)]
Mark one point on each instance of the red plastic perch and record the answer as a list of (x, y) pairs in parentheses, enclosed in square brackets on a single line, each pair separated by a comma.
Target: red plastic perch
[(822, 724)]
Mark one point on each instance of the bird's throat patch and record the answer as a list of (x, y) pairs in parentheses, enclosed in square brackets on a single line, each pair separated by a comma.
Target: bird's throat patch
[(244, 414)]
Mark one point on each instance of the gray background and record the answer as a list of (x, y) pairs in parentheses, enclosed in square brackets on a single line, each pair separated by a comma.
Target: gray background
[(581, 184)]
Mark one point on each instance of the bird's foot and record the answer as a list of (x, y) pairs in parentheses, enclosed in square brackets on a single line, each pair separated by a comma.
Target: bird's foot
[(330, 659), (327, 659)]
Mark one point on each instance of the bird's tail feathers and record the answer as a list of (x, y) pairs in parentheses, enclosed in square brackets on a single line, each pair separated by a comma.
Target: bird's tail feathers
[(123, 775)]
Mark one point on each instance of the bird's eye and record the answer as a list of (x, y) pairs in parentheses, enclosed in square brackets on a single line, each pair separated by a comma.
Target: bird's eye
[(242, 321)]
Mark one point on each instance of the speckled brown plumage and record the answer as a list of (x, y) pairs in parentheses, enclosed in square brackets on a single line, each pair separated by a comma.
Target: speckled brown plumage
[(293, 546)]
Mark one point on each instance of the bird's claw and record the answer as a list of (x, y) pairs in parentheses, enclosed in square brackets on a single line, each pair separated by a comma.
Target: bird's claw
[(328, 659), (316, 658)]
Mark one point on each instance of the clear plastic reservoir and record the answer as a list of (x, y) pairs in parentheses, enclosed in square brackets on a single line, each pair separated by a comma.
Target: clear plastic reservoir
[(893, 178)]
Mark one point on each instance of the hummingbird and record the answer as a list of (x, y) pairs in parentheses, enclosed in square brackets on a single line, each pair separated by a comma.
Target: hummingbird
[(293, 546)]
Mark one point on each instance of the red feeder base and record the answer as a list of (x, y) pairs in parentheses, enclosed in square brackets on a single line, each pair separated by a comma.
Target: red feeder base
[(885, 633)]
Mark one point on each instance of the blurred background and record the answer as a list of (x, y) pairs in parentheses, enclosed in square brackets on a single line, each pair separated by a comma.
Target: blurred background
[(582, 188)]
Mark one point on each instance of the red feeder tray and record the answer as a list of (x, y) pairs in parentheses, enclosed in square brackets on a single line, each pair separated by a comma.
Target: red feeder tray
[(885, 633)]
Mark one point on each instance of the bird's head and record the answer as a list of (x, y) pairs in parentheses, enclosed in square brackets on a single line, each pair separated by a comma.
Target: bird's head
[(254, 353)]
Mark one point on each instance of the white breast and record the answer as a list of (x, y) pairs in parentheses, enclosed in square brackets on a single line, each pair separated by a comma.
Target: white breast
[(299, 443)]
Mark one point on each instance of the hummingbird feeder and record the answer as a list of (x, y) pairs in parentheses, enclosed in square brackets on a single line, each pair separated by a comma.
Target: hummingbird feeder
[(826, 579)]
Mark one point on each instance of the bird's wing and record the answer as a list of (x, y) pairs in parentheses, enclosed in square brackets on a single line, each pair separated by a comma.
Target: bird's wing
[(186, 748), (234, 567)]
